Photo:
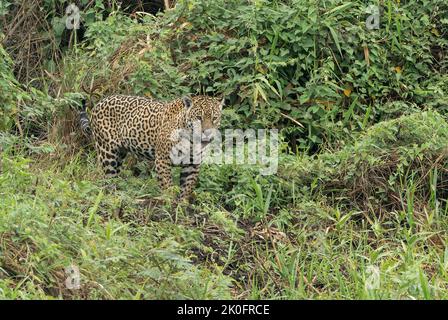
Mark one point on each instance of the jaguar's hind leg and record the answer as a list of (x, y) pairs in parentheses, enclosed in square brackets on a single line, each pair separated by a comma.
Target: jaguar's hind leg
[(111, 160)]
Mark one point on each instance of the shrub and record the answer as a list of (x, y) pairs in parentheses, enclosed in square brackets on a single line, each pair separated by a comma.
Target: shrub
[(377, 173)]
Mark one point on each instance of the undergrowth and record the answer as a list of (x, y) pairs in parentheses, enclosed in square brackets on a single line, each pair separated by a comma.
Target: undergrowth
[(288, 236), (357, 210)]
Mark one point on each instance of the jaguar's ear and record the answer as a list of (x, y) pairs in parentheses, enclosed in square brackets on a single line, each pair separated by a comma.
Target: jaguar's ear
[(187, 102)]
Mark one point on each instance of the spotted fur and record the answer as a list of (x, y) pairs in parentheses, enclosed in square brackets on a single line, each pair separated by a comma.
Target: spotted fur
[(121, 124)]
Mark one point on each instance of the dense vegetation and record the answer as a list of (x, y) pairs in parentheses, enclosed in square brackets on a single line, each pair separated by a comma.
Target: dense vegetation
[(361, 188)]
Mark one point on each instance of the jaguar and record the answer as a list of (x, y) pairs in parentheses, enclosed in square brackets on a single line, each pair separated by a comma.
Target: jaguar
[(151, 129)]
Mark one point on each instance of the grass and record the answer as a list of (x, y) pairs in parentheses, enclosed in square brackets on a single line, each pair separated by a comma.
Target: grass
[(246, 237), (358, 211)]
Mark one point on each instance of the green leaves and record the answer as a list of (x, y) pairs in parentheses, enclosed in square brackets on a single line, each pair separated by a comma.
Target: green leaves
[(335, 38), (11, 92), (297, 50), (340, 8)]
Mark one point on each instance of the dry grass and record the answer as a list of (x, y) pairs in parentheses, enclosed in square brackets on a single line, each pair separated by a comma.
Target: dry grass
[(29, 39)]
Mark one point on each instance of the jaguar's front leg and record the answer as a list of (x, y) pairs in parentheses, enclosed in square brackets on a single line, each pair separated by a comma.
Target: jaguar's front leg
[(188, 180), (163, 169)]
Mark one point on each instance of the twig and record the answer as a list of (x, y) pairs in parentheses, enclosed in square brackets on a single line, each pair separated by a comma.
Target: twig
[(293, 120)]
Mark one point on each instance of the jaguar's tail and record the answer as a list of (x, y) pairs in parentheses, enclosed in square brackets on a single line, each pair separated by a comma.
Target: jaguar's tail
[(84, 120)]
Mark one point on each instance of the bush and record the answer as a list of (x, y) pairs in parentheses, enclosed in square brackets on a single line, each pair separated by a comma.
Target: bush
[(10, 90), (391, 161), (313, 62), (304, 59)]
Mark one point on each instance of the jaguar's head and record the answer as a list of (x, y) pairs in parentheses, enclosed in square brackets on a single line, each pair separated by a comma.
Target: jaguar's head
[(204, 113)]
